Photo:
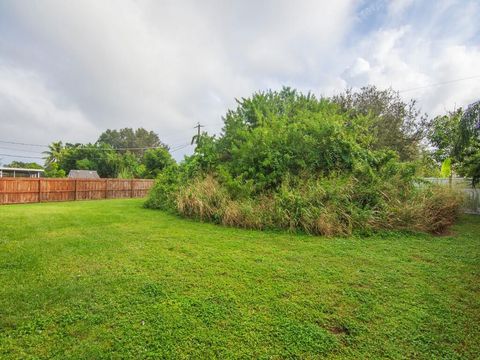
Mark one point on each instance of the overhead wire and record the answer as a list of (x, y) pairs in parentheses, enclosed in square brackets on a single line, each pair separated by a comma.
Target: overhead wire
[(173, 149), (440, 83), (85, 148), (20, 156), (21, 143), (21, 150)]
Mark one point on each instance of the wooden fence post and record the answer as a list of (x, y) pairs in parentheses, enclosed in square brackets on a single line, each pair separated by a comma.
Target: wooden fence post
[(75, 196), (106, 187), (39, 189), (131, 187)]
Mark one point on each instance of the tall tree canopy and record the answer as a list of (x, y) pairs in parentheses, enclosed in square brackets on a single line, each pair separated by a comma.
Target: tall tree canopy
[(444, 135), (455, 138), (396, 124), (469, 126), (129, 138), (468, 146)]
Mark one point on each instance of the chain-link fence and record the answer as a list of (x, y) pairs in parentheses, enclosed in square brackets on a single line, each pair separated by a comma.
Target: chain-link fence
[(472, 195)]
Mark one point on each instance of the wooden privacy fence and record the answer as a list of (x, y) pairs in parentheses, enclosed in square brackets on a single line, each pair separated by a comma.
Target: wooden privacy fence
[(29, 190)]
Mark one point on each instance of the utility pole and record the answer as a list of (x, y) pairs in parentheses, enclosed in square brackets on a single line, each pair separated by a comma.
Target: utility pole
[(196, 138)]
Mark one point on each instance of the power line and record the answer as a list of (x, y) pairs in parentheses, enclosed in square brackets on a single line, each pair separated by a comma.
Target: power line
[(176, 148), (440, 83), (82, 148), (20, 156), (27, 151), (20, 143), (180, 147)]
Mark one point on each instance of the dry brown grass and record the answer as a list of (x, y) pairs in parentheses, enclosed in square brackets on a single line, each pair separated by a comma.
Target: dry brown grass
[(433, 209)]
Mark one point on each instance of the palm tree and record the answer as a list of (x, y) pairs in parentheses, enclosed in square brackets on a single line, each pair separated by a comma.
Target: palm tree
[(53, 153)]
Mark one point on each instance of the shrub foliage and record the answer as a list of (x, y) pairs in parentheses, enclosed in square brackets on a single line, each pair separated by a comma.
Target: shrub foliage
[(291, 161)]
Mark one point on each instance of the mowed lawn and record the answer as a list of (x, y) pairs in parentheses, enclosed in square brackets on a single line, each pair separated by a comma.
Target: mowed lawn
[(109, 279)]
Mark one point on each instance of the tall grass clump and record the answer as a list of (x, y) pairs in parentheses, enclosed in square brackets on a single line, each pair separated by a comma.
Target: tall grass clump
[(293, 162)]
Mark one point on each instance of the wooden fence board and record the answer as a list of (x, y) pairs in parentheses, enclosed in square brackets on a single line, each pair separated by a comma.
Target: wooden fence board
[(28, 190), (56, 190), (118, 188)]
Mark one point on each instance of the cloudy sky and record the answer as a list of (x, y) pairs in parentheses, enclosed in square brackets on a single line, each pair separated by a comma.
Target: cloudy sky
[(71, 69)]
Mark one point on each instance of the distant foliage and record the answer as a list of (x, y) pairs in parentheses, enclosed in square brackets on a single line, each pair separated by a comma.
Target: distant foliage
[(24, 165), (155, 160), (469, 127), (53, 154), (469, 143), (455, 138), (130, 138), (291, 161), (54, 171), (107, 159), (444, 135)]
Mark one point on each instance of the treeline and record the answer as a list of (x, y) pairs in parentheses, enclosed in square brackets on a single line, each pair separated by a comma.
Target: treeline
[(323, 166), (124, 153)]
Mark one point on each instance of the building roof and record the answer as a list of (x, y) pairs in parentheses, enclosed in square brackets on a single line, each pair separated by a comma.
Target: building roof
[(83, 174), (3, 168)]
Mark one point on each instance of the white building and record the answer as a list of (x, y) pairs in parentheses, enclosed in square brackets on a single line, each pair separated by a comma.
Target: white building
[(20, 172)]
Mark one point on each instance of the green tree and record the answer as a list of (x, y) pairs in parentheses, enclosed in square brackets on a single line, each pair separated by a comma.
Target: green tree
[(443, 135), (396, 125), (100, 157), (131, 167), (155, 160), (53, 153), (455, 138), (54, 171), (84, 164), (468, 145), (275, 134), (24, 165), (469, 126), (129, 138)]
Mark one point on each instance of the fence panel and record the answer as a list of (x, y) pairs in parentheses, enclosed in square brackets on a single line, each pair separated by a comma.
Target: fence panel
[(56, 190), (28, 190), (140, 187), (91, 189), (119, 188), (13, 191)]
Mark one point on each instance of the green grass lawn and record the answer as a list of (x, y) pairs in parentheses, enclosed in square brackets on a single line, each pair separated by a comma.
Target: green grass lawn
[(109, 279)]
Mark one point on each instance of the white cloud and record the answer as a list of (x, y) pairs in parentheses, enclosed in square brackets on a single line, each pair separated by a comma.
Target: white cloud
[(398, 7), (412, 57), (32, 112), (72, 69)]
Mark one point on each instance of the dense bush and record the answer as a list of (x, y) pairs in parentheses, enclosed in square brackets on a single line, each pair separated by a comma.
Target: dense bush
[(324, 206), (291, 161)]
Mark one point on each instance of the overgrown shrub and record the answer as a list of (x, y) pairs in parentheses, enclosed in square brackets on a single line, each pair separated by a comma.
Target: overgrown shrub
[(327, 206), (291, 161), (163, 195), (429, 209)]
